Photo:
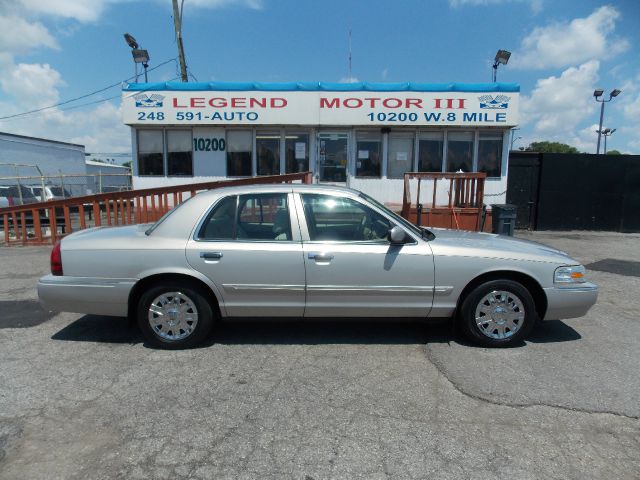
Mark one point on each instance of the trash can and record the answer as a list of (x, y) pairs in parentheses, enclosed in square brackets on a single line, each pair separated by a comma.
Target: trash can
[(503, 219)]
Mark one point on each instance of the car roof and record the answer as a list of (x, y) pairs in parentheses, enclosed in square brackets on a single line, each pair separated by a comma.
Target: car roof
[(277, 187)]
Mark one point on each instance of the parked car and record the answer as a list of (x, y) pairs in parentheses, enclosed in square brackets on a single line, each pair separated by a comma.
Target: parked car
[(15, 195), (307, 252), (51, 192)]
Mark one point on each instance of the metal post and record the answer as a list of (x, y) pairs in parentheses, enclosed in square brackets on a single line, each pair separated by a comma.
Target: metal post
[(19, 186), (600, 127), (62, 183), (605, 145), (100, 181)]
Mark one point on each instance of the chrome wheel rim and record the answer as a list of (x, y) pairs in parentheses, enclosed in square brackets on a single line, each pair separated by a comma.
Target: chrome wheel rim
[(500, 314), (173, 316)]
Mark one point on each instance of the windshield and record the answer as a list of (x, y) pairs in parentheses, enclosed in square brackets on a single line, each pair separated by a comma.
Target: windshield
[(405, 223)]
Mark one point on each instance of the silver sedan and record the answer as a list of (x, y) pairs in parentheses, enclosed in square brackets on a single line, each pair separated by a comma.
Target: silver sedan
[(308, 252)]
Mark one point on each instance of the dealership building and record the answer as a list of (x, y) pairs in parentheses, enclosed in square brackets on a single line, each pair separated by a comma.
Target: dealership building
[(362, 135)]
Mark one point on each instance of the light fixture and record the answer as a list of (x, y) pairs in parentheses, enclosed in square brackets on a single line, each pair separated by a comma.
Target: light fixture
[(502, 58), (597, 93), (139, 55)]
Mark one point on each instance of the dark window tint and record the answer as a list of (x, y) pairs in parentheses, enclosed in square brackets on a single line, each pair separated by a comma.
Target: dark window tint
[(460, 151), (296, 147), (268, 153), (263, 217), (340, 219), (490, 154), (150, 152), (368, 154), (239, 148), (179, 153), (430, 152), (219, 224)]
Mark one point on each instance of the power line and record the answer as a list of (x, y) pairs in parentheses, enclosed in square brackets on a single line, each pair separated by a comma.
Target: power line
[(81, 96), (73, 107)]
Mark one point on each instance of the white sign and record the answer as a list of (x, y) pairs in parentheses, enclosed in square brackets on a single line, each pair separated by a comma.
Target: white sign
[(301, 150), (363, 154), (358, 108)]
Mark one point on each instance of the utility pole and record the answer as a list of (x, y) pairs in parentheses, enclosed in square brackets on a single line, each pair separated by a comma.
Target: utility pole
[(177, 23)]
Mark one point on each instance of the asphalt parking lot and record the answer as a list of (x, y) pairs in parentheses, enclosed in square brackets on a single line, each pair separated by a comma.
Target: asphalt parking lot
[(82, 397)]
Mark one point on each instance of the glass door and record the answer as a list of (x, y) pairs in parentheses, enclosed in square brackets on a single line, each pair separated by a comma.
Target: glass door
[(333, 157)]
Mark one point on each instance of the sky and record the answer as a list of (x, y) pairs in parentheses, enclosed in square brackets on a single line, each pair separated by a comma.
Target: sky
[(52, 51)]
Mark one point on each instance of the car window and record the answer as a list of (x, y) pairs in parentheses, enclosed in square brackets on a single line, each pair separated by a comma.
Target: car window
[(219, 224), (263, 217), (332, 218), (259, 217)]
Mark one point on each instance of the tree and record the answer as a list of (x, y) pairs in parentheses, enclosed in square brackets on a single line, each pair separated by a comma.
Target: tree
[(127, 164), (552, 147), (614, 152)]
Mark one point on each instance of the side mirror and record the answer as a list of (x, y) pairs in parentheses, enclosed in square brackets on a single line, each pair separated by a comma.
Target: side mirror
[(397, 235)]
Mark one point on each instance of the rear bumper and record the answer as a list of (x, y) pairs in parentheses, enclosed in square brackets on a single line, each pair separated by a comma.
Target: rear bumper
[(99, 296), (570, 302)]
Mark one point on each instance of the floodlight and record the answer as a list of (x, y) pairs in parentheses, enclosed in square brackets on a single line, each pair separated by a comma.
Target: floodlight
[(615, 92), (502, 56), (130, 40), (140, 56), (598, 92)]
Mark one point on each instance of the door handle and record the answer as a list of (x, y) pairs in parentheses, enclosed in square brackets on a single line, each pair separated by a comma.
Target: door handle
[(320, 257), (211, 255)]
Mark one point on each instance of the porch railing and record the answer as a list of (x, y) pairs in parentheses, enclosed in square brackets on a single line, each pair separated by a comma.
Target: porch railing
[(46, 222), (465, 197)]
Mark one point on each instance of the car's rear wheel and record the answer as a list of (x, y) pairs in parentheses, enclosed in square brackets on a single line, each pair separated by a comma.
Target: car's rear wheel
[(498, 313), (174, 315)]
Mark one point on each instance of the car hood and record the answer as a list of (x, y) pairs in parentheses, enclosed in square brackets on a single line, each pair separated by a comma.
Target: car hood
[(489, 245)]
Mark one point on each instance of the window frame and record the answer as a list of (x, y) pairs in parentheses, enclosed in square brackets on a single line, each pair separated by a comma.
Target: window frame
[(290, 205), (163, 153), (304, 225), (167, 152), (252, 153)]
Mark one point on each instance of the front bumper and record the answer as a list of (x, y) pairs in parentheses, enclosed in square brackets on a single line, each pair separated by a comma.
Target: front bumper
[(570, 302), (98, 296)]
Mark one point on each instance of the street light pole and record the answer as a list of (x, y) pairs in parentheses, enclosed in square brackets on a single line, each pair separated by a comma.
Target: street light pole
[(597, 95)]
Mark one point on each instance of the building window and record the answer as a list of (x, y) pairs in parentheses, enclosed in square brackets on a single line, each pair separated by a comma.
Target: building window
[(296, 147), (179, 153), (239, 143), (400, 154), (368, 154), (490, 154), (150, 152), (268, 152), (460, 151), (430, 146)]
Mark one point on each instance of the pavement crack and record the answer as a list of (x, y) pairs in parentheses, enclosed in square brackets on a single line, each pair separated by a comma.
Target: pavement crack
[(438, 366)]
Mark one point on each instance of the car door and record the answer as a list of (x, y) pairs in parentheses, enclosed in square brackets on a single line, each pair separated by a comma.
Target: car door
[(352, 270), (249, 246)]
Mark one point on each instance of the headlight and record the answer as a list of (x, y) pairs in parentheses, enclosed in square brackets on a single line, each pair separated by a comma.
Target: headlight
[(569, 275)]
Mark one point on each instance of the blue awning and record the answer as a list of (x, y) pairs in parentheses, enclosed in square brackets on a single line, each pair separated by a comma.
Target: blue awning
[(324, 86)]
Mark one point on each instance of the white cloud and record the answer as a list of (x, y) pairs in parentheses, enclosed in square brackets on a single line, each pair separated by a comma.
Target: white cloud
[(560, 104), (80, 10), (536, 5), (385, 73), (32, 84), (17, 35), (563, 44), (348, 80)]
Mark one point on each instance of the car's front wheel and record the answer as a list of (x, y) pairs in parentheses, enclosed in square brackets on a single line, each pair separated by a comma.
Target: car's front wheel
[(498, 313), (174, 315)]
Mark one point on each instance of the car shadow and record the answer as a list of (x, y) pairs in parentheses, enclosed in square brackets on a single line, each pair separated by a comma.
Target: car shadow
[(95, 328)]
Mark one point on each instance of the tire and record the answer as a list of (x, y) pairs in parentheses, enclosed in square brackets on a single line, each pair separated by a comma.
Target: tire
[(498, 313), (182, 317)]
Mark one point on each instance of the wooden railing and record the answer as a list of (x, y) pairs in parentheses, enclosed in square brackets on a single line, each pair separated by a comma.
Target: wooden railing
[(46, 222), (465, 199)]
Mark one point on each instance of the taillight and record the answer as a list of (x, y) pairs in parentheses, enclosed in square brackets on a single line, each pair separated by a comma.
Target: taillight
[(56, 260)]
